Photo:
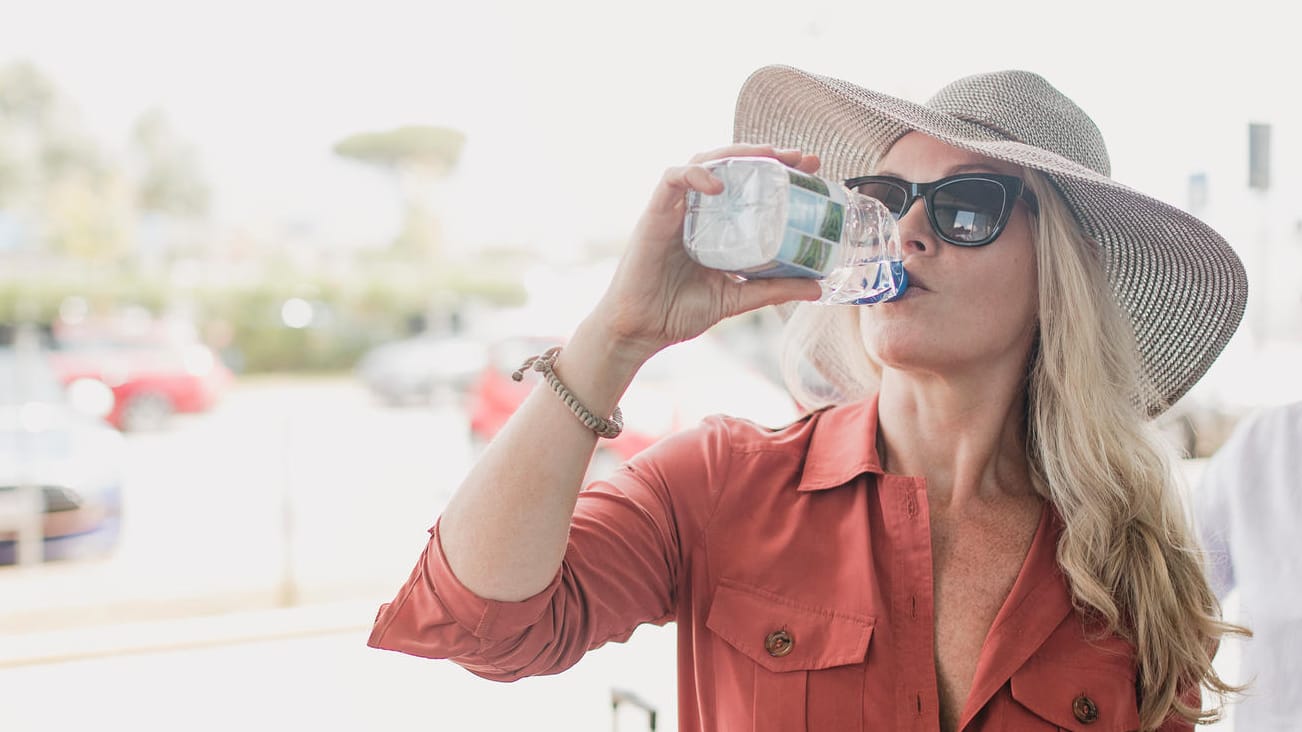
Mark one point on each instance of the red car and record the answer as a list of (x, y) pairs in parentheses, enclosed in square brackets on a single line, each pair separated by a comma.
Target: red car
[(674, 390), (152, 372)]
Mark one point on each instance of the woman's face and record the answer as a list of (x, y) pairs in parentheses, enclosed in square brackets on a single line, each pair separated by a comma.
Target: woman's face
[(965, 308)]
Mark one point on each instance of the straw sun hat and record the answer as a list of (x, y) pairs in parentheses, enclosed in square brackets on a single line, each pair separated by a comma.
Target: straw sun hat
[(1180, 283)]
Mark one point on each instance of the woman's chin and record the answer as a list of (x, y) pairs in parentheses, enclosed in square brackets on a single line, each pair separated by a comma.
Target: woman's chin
[(901, 355)]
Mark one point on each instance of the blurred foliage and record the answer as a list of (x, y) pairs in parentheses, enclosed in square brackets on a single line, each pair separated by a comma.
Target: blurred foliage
[(38, 299), (87, 221), (438, 148), (349, 315), (68, 196), (169, 179), (27, 103), (244, 322), (418, 157), (127, 233), (26, 94)]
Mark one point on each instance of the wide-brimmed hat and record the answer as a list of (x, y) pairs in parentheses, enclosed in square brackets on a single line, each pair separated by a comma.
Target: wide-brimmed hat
[(1179, 281)]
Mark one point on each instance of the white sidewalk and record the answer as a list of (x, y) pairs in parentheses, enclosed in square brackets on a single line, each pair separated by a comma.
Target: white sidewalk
[(307, 669)]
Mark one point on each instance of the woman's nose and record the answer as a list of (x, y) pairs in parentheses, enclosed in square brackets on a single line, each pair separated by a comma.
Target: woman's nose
[(916, 235)]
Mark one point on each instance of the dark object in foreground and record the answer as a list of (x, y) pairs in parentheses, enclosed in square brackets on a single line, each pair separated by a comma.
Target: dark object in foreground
[(623, 696)]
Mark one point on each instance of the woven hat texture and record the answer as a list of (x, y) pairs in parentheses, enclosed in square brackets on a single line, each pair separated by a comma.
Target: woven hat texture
[(1180, 282)]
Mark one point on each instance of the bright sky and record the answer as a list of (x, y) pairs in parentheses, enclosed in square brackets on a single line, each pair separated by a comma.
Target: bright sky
[(573, 108)]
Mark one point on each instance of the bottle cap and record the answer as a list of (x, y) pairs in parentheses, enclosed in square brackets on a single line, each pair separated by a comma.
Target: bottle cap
[(900, 280)]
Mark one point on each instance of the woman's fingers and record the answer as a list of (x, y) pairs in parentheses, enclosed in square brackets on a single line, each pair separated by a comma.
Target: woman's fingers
[(788, 156), (659, 295), (758, 293), (675, 183), (808, 164)]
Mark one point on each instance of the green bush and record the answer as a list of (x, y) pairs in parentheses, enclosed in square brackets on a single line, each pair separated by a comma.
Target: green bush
[(244, 322)]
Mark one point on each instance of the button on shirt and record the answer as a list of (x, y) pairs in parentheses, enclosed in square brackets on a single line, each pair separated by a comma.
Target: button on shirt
[(800, 577), (1247, 508)]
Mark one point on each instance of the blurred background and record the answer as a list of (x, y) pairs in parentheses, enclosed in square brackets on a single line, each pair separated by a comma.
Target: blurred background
[(265, 269)]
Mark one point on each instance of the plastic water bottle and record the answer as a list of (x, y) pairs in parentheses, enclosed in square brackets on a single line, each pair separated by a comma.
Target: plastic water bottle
[(775, 221)]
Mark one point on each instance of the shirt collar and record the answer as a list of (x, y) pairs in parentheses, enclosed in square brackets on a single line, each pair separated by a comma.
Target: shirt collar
[(843, 446)]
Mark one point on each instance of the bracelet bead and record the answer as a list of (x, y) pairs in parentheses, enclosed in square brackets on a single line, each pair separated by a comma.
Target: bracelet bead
[(607, 427)]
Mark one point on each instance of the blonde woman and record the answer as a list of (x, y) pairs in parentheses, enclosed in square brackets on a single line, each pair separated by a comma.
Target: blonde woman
[(980, 531)]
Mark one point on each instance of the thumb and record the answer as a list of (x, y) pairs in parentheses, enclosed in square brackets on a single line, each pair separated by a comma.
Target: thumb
[(758, 293)]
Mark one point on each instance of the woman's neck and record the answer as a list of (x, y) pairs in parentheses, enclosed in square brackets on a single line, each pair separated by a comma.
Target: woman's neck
[(968, 440)]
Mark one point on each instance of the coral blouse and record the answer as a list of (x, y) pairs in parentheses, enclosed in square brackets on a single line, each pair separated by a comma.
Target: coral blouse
[(800, 576)]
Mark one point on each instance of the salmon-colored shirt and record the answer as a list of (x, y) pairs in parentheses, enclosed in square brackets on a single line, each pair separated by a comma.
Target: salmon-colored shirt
[(800, 576)]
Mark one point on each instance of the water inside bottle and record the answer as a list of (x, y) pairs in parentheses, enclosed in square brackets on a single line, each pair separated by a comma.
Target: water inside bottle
[(871, 282)]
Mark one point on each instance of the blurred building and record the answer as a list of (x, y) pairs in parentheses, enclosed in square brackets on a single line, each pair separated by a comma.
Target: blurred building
[(1253, 196)]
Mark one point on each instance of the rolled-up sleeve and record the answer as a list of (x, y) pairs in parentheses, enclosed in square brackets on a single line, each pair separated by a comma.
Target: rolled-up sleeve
[(628, 544)]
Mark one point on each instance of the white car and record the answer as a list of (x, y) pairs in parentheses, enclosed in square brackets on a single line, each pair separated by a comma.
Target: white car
[(60, 468), (421, 369)]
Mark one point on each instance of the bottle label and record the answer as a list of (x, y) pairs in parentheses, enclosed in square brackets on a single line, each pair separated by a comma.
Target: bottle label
[(815, 218)]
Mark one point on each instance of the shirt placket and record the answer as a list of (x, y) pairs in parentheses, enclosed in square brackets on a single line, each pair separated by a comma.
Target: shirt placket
[(906, 511)]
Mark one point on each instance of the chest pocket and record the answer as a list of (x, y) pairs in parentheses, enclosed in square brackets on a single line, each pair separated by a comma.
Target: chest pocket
[(1087, 697), (797, 653)]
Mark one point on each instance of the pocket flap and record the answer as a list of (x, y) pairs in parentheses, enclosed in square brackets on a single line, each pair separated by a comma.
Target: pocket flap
[(1094, 699), (747, 618)]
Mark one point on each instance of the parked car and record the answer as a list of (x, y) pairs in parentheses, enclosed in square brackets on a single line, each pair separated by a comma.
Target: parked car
[(674, 390), (494, 396), (153, 372), (421, 369), (55, 460)]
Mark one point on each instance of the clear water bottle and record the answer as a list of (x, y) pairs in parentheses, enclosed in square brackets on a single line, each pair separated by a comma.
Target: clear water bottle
[(775, 221)]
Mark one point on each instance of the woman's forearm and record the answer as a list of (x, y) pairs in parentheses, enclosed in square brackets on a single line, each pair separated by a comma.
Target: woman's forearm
[(504, 532)]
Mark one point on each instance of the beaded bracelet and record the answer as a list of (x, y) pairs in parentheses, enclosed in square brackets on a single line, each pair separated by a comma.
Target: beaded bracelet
[(604, 427)]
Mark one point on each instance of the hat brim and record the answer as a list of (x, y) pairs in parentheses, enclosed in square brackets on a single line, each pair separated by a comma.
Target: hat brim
[(1181, 284)]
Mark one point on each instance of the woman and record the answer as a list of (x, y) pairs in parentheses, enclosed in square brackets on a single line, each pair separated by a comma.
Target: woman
[(982, 533)]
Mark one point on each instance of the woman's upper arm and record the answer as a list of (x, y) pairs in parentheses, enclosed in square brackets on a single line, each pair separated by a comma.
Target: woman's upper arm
[(633, 534), (629, 539)]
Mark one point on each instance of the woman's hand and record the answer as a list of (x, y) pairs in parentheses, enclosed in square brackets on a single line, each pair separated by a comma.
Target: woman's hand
[(659, 296), (506, 530)]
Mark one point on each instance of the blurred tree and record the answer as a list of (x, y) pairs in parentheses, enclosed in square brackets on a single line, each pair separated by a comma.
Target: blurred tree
[(419, 157), (171, 194), (168, 176), (88, 219), (26, 94), (436, 149), (53, 175), (27, 104)]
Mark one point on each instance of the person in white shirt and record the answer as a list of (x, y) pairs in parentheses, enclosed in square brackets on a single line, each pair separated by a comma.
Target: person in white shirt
[(1248, 510)]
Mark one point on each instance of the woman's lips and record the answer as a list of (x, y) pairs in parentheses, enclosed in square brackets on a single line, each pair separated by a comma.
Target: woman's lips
[(915, 287)]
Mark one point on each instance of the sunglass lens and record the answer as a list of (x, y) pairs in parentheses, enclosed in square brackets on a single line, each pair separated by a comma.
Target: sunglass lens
[(892, 196), (969, 210)]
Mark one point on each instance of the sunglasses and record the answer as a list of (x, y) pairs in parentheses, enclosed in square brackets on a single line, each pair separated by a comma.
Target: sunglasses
[(967, 210)]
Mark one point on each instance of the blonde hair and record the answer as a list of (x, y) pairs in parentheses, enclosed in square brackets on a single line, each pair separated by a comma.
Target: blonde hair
[(1127, 550)]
